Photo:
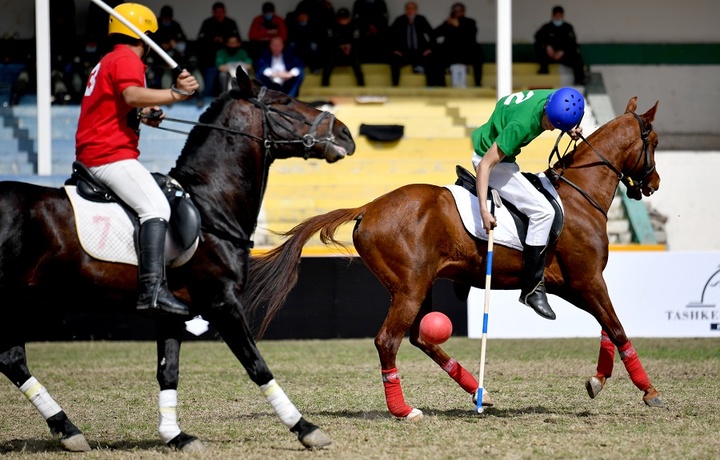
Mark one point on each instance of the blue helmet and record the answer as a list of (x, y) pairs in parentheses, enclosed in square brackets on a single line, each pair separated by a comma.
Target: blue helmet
[(565, 108)]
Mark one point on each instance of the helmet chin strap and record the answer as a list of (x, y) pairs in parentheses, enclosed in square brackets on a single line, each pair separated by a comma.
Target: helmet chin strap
[(146, 50)]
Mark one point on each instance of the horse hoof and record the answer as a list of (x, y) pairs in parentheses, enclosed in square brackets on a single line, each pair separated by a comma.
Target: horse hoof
[(75, 443), (593, 387), (415, 415), (655, 402), (652, 398), (186, 443), (487, 399), (193, 446), (316, 439)]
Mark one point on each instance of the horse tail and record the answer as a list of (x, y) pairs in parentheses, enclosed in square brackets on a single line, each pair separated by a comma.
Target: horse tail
[(273, 275)]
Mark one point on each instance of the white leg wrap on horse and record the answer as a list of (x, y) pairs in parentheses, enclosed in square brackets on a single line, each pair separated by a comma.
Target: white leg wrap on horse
[(168, 427), (284, 409), (39, 396)]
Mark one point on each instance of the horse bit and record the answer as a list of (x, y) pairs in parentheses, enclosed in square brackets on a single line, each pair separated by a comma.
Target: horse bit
[(629, 182)]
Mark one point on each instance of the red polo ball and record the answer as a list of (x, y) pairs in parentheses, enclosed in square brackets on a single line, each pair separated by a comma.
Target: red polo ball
[(435, 328)]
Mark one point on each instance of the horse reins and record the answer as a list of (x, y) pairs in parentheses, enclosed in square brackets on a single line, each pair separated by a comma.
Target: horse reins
[(624, 178)]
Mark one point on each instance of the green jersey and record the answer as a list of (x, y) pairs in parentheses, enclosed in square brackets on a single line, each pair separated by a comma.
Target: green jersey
[(515, 122)]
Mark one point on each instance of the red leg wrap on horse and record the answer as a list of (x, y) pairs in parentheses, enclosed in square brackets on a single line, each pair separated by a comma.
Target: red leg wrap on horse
[(461, 376), (634, 366), (606, 357), (393, 393)]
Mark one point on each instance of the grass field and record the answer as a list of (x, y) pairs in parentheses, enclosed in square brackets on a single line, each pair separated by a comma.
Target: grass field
[(108, 389)]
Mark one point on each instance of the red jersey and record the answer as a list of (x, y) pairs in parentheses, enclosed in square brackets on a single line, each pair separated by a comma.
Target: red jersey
[(108, 128)]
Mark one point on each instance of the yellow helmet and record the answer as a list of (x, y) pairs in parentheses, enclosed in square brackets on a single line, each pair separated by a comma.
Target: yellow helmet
[(138, 15)]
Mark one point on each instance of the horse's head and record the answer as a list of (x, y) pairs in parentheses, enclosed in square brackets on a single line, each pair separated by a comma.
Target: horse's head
[(641, 176), (292, 128)]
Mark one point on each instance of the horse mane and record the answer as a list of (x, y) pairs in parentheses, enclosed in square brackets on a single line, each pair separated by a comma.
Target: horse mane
[(198, 135)]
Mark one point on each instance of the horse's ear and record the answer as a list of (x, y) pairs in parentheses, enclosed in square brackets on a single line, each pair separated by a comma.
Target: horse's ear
[(632, 105), (649, 116), (241, 85)]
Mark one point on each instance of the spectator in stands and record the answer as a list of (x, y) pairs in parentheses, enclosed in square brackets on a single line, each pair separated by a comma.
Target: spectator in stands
[(213, 34), (171, 38), (63, 38), (280, 69), (342, 47), (264, 27), (83, 62), (16, 70), (517, 120), (229, 59), (371, 18), (555, 42), (321, 14), (107, 143), (412, 41), (97, 25), (457, 42), (306, 41)]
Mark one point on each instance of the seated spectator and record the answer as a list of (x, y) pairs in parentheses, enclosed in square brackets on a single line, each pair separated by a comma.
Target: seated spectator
[(171, 38), (306, 41), (280, 69), (457, 42), (264, 27), (213, 34), (412, 41), (556, 42), (371, 18), (342, 47), (63, 40), (16, 71), (78, 72), (321, 14), (228, 60), (96, 25)]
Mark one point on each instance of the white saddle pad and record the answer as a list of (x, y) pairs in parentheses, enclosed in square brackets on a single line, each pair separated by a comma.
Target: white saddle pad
[(505, 233), (106, 232)]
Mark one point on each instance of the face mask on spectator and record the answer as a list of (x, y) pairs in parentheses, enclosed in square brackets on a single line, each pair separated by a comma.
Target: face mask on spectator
[(558, 22)]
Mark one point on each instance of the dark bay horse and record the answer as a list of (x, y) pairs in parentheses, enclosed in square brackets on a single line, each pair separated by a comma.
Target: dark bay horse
[(413, 235), (224, 167)]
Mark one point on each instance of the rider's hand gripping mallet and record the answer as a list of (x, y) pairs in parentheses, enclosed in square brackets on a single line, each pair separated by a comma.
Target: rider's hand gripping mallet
[(494, 198), (177, 70)]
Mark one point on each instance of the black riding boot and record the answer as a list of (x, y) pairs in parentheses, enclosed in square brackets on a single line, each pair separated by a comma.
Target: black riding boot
[(532, 286), (154, 292)]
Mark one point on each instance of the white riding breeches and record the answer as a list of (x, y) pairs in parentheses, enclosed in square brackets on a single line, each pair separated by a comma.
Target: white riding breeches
[(134, 184), (507, 179)]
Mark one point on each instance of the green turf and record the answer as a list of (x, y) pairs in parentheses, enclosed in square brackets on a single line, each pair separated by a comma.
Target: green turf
[(108, 389)]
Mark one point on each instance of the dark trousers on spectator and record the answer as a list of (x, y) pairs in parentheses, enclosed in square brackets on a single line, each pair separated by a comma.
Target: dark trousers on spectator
[(433, 74), (338, 58), (571, 59)]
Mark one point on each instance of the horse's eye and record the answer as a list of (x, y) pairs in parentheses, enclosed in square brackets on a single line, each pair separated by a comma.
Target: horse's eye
[(286, 101)]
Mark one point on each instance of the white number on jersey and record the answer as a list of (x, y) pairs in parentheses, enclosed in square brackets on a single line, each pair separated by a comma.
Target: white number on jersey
[(518, 97), (91, 80)]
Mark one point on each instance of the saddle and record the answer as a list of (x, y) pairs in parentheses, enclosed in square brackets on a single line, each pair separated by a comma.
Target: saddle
[(184, 221), (467, 180)]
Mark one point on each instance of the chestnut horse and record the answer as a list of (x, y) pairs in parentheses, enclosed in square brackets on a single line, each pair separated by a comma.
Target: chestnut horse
[(224, 167), (413, 235)]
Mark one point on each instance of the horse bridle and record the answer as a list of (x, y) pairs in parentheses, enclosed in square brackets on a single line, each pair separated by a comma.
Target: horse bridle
[(627, 179), (267, 141)]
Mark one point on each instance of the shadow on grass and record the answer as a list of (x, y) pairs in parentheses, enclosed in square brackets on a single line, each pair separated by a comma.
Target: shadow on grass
[(53, 445), (458, 413)]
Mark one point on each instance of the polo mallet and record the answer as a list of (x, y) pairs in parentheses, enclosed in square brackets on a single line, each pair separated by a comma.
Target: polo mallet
[(177, 70), (494, 198)]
